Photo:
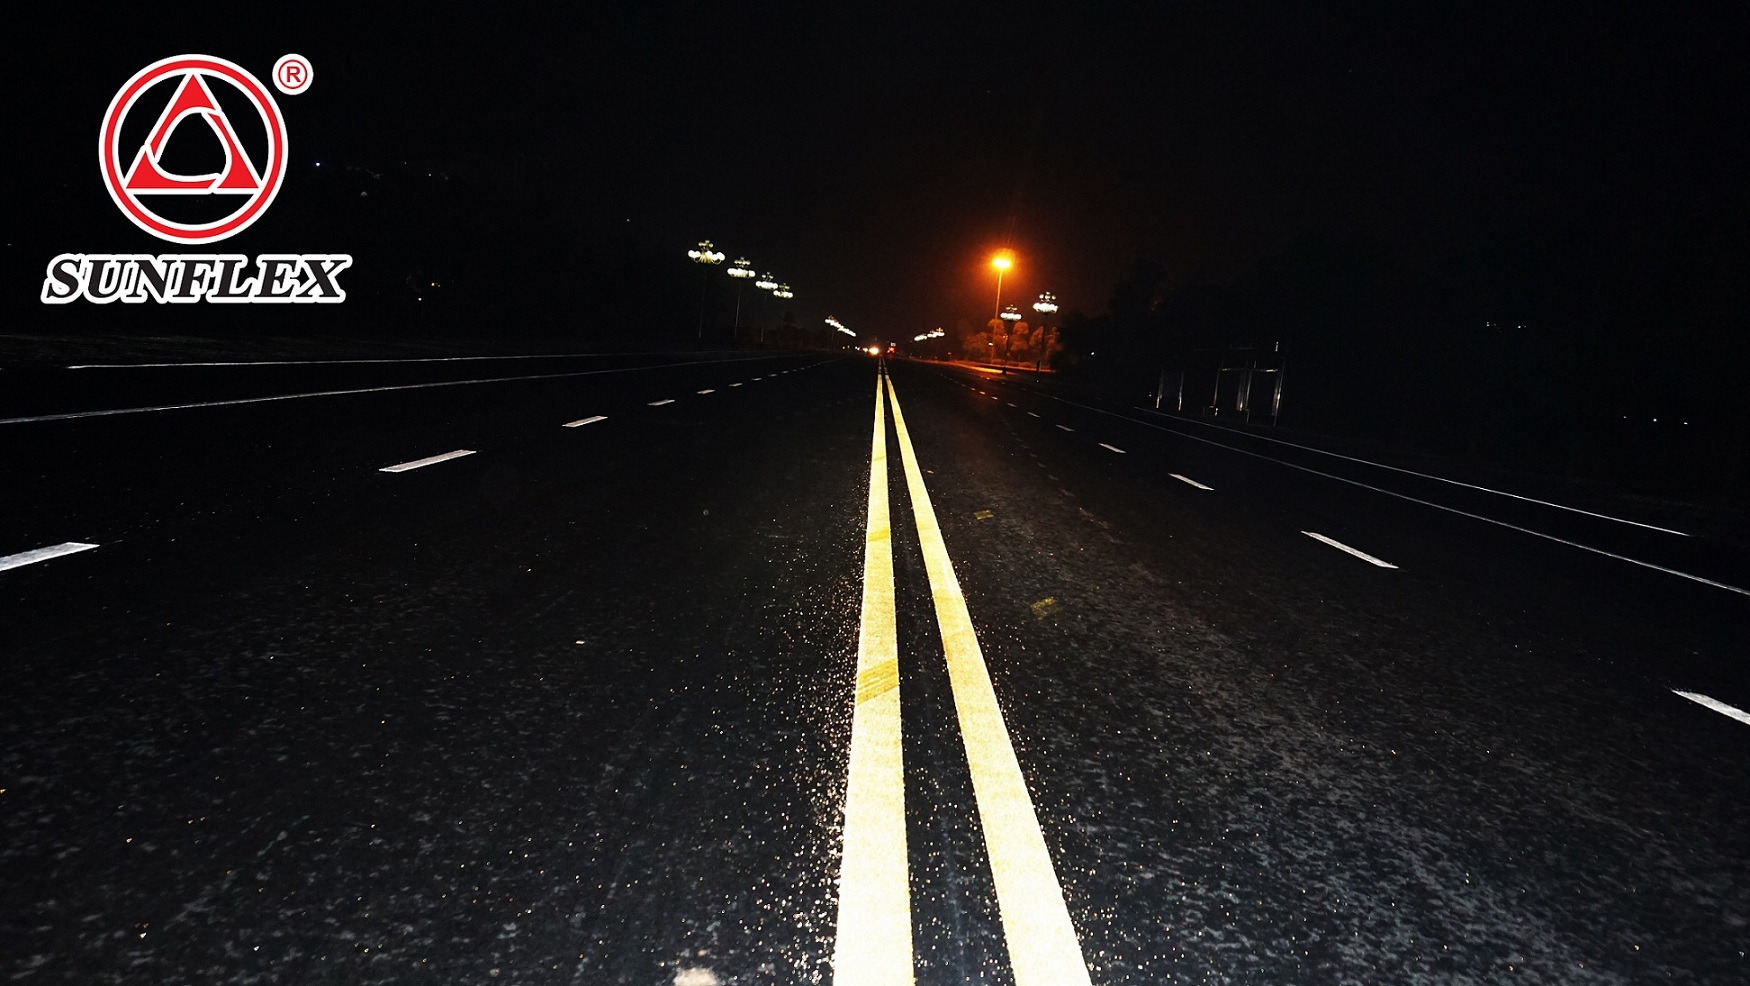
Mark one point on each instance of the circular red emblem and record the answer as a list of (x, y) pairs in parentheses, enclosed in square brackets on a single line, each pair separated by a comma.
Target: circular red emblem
[(135, 177)]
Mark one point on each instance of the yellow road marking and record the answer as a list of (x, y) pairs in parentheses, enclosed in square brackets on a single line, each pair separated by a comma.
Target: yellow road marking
[(874, 930), (1043, 948)]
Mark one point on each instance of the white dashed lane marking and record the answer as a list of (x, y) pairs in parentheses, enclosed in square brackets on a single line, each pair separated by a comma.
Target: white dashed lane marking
[(580, 422), (1340, 546), (666, 400), (35, 555), (428, 461), (1187, 479), (1701, 700)]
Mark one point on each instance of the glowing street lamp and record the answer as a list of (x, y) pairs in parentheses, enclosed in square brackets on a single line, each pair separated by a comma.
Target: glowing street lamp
[(1010, 314), (783, 291), (705, 257), (704, 254), (1047, 304), (766, 283), (1002, 262)]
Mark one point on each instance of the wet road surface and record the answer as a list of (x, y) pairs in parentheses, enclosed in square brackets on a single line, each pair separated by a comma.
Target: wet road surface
[(570, 698)]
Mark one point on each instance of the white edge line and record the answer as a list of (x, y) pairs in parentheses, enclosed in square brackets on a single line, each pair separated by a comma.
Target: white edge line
[(1714, 704), (108, 412), (1340, 546), (43, 554), (1188, 479), (328, 362), (580, 422), (1113, 448), (1411, 472), (430, 460)]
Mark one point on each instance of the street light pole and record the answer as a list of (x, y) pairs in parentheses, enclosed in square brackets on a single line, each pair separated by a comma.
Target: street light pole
[(741, 270), (1046, 306), (705, 257), (1010, 315)]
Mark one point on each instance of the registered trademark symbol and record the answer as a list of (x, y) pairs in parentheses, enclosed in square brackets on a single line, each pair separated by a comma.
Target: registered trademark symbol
[(292, 74)]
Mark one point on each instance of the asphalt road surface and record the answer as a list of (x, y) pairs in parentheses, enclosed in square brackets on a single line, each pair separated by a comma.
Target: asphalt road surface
[(792, 669)]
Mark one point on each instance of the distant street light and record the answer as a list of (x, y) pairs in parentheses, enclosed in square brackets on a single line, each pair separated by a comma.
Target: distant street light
[(1002, 262), (783, 291), (705, 257), (1045, 306), (741, 270), (1011, 315)]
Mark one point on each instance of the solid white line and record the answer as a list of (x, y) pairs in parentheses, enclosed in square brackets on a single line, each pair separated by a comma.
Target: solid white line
[(43, 554), (707, 390), (325, 362), (75, 415), (1113, 448), (665, 400), (420, 463), (1426, 503), (1340, 546), (580, 422), (1066, 427), (1187, 479), (1408, 472), (1712, 703)]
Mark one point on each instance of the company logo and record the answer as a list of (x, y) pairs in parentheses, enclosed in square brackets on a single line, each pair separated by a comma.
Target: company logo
[(216, 107), (139, 182)]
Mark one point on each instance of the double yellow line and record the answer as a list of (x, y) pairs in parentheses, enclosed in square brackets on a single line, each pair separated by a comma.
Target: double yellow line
[(874, 926)]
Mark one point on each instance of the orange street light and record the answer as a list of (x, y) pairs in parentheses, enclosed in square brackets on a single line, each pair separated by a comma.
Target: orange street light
[(1002, 262)]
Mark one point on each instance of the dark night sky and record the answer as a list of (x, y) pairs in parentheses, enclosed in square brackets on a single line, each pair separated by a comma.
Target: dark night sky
[(872, 157)]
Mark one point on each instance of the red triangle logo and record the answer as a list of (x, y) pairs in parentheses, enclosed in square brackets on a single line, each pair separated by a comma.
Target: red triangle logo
[(193, 99)]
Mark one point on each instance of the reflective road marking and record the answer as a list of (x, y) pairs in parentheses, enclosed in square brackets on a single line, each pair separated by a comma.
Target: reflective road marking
[(874, 926), (35, 555), (580, 422), (107, 412), (1187, 479), (708, 390), (1112, 447), (1066, 427), (1043, 948), (1340, 546), (665, 400), (420, 463), (1712, 703)]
